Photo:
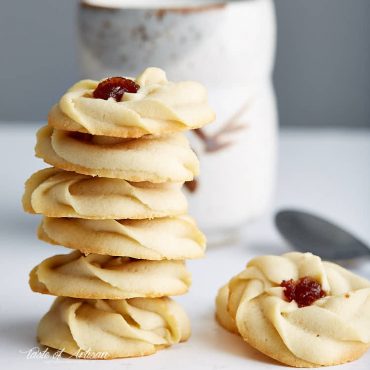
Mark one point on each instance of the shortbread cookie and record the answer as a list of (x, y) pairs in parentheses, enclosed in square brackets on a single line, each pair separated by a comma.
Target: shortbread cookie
[(175, 238), (159, 107), (58, 193), (149, 158), (105, 277), (106, 329), (298, 310)]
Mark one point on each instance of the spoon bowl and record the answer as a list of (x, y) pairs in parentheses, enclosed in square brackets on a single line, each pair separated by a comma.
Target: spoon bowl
[(310, 233)]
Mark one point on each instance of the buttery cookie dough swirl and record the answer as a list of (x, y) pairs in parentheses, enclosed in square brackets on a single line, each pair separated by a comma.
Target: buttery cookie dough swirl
[(149, 158), (333, 330), (105, 277), (103, 329), (56, 193), (174, 238), (159, 107)]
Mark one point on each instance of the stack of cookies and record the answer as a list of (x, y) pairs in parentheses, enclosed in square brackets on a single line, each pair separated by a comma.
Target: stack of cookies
[(113, 195)]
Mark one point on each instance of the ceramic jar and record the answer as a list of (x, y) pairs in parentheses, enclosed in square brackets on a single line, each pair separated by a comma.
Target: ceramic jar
[(229, 46)]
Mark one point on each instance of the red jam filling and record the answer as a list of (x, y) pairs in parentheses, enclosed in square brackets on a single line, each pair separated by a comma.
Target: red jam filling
[(304, 291), (115, 87)]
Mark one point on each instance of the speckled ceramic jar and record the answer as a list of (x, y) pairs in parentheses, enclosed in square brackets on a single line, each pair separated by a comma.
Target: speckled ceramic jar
[(229, 47)]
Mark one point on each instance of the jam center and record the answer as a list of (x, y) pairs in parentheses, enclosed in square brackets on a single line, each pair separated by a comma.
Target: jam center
[(115, 87), (304, 291)]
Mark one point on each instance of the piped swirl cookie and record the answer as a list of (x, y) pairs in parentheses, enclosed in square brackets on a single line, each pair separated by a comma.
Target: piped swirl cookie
[(149, 158), (174, 238), (156, 106), (299, 310), (57, 193), (105, 329), (105, 277)]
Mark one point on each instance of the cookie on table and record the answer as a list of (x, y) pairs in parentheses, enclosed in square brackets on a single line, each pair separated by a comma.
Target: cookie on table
[(107, 329), (149, 158), (57, 193), (98, 276), (172, 238), (149, 104), (298, 310)]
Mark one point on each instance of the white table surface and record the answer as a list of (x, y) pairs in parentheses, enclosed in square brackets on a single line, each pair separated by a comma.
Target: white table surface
[(323, 171)]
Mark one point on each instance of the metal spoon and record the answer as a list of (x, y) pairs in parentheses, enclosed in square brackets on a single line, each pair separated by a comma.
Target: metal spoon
[(310, 233)]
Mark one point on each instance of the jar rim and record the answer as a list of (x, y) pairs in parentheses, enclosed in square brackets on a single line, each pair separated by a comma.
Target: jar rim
[(159, 4)]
